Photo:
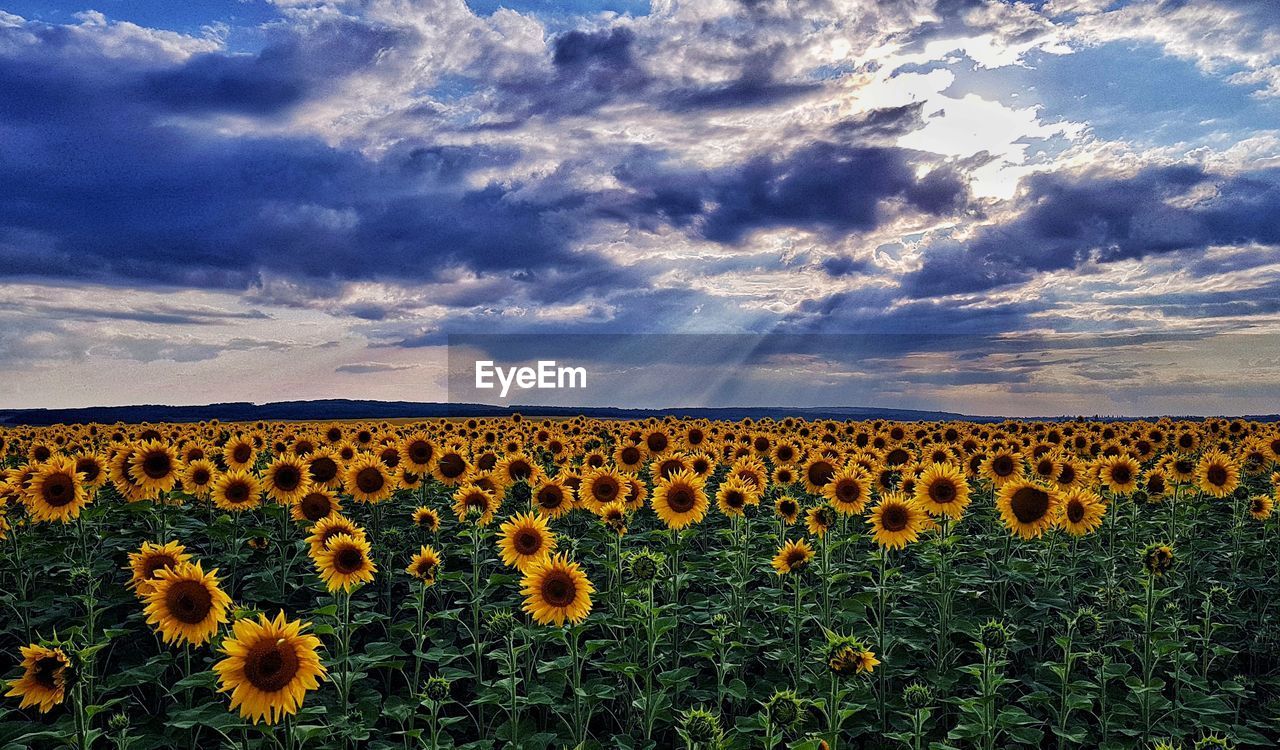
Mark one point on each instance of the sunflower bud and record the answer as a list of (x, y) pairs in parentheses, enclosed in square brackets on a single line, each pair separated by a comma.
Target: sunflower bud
[(918, 696), (437, 690), (1158, 559), (701, 727), (501, 623), (784, 708), (993, 635)]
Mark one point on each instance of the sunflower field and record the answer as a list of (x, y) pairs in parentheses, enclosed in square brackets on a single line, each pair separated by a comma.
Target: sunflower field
[(583, 583)]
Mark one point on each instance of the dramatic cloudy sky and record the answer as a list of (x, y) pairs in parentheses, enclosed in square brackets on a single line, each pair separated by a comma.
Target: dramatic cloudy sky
[(1069, 206)]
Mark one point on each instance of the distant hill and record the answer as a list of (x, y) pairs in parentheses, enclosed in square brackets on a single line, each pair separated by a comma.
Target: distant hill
[(243, 411), (343, 409)]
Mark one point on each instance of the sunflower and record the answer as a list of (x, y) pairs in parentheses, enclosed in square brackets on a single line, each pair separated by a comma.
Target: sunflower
[(517, 468), (680, 500), (269, 667), (186, 604), (471, 503), (92, 469), (733, 497), (317, 504), (556, 590), (817, 472), (324, 468), (450, 467), (285, 479), (525, 540), (819, 519), (239, 452), (896, 521), (787, 508), (427, 519), (154, 467), (1260, 507), (56, 492), (635, 495), (629, 456), (1155, 484), (942, 490), (614, 517), (237, 490), (1082, 511), (848, 491), (367, 479), (792, 557), (601, 487), (552, 498), (1218, 475), (327, 529), (1119, 474), (417, 450), (147, 562), (198, 476), (45, 674), (784, 474), (1002, 466), (1028, 508), (344, 563), (425, 565)]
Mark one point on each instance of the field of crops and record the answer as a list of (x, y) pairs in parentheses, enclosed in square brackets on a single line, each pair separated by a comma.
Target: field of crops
[(586, 583)]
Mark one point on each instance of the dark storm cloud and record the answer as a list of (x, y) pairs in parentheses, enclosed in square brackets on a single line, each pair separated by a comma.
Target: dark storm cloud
[(836, 188), (101, 185), (1067, 221), (295, 64)]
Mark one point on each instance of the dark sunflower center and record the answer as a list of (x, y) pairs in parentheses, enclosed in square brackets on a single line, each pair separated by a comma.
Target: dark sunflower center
[(527, 542), (657, 442), (681, 499), (785, 453), (669, 467), (46, 670), (1155, 485), (315, 506), (287, 478), (559, 590), (1217, 475), (270, 665), (58, 490), (795, 558), (1075, 511), (848, 491), (894, 518), (420, 452), (242, 453), (735, 499), (761, 444), (695, 437), (1029, 504), (348, 560), (200, 477), (605, 490), (188, 602), (630, 455), (820, 472), (238, 492), (89, 468), (1002, 466), (1067, 475), (788, 507), (1121, 474), (1045, 468), (1186, 441), (369, 480), (157, 465), (41, 453), (158, 562), (942, 491), (519, 470), (323, 469), (550, 497), (897, 457), (1256, 505), (452, 465)]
